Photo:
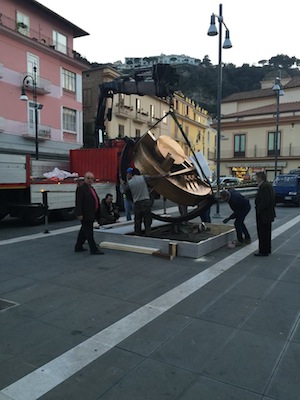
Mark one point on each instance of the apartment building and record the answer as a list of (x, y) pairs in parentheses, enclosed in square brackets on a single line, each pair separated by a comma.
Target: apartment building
[(38, 60), (249, 126)]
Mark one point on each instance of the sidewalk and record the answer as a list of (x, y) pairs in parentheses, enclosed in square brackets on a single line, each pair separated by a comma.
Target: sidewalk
[(133, 327)]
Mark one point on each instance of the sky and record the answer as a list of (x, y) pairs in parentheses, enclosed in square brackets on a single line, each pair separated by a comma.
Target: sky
[(259, 29)]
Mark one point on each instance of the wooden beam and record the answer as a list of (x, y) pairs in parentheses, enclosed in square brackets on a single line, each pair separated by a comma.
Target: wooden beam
[(128, 247)]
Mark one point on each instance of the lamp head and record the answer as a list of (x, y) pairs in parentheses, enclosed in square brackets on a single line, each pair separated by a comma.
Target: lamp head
[(23, 96), (212, 31), (277, 87), (227, 42)]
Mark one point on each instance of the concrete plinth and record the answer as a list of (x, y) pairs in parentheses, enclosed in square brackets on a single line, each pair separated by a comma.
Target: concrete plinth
[(121, 236)]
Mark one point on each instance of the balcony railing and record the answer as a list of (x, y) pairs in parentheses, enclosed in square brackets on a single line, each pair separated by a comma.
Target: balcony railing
[(43, 85), (283, 152), (28, 131)]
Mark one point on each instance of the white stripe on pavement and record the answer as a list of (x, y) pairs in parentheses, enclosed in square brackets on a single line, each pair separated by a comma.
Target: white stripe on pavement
[(47, 377)]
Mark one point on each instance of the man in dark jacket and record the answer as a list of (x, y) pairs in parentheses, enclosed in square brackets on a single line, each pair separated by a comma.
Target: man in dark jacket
[(87, 211), (265, 214), (240, 207), (109, 214)]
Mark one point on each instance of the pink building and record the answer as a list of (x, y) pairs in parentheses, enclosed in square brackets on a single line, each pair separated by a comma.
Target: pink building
[(36, 53)]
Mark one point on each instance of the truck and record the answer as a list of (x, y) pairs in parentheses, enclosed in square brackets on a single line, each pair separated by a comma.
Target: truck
[(287, 188), (27, 194)]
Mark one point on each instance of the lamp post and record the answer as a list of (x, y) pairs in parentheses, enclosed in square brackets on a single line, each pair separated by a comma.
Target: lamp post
[(226, 45), (36, 106), (277, 88)]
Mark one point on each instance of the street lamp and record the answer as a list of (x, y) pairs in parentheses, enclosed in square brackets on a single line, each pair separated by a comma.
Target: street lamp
[(226, 45), (277, 88), (36, 106)]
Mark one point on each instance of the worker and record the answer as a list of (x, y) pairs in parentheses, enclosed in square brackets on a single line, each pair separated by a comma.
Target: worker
[(240, 207), (138, 186)]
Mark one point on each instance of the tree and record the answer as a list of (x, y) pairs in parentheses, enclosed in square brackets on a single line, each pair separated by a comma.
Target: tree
[(206, 62), (282, 60)]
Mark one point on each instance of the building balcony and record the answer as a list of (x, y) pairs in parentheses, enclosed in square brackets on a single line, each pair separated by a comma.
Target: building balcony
[(289, 151), (141, 117), (28, 131), (43, 86), (123, 111)]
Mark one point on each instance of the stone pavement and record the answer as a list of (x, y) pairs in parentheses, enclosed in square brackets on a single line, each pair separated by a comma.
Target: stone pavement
[(135, 327)]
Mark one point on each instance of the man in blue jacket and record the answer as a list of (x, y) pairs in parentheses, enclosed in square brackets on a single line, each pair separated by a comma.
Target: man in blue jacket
[(240, 207)]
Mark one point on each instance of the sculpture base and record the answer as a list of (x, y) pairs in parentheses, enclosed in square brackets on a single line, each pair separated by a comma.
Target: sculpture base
[(191, 241)]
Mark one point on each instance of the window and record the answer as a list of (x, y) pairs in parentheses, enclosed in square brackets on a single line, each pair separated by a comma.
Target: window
[(31, 116), (165, 120), (22, 23), (121, 131), (69, 80), (176, 132), (187, 131), (137, 133), (239, 145), (69, 120), (152, 112), (121, 99), (60, 42), (271, 143), (138, 105), (187, 111)]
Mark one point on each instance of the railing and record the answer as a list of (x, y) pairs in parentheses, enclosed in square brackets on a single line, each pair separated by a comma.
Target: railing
[(42, 85), (286, 151), (28, 131)]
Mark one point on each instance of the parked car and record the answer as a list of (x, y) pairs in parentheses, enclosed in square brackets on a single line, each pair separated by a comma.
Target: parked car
[(287, 189), (227, 181)]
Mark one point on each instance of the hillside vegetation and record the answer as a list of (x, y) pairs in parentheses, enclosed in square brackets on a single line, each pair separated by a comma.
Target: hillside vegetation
[(200, 82)]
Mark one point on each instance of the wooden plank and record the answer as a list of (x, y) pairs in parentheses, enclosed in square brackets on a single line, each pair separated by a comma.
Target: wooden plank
[(128, 247)]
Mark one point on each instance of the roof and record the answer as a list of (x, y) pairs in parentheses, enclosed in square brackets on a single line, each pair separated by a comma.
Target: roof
[(270, 109), (260, 93), (77, 32)]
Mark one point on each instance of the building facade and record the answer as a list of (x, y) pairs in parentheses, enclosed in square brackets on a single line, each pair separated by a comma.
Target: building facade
[(249, 130), (37, 56)]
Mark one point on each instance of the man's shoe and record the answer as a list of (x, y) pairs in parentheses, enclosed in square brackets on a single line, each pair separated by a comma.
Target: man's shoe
[(80, 249), (238, 243), (261, 255), (97, 252), (247, 241)]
